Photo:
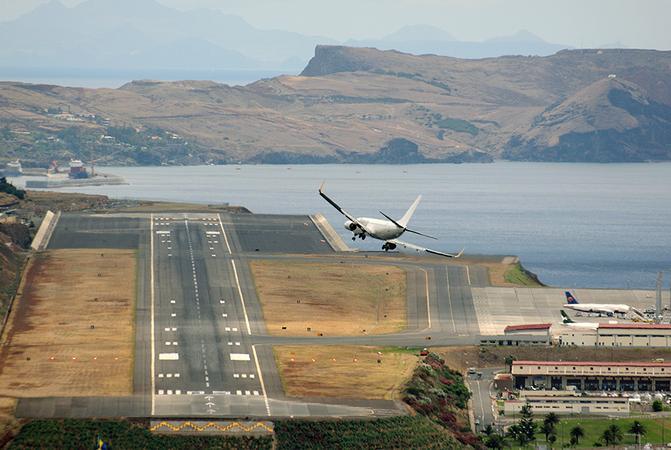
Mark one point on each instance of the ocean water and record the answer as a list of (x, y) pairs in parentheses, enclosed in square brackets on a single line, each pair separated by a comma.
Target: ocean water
[(105, 78), (575, 225)]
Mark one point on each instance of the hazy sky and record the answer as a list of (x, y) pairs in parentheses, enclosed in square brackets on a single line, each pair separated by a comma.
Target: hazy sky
[(578, 23)]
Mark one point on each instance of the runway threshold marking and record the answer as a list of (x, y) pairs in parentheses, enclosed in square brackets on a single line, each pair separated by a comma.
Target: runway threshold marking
[(151, 295)]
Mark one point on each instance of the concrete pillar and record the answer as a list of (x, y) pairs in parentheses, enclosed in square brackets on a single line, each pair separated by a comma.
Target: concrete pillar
[(617, 383), (636, 384)]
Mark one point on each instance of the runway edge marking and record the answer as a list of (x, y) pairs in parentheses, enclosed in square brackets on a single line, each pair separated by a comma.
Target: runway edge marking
[(263, 385), (151, 294), (235, 273)]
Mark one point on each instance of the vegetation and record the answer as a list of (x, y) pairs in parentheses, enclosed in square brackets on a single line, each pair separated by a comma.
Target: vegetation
[(588, 432), (612, 435), (516, 274), (576, 433), (657, 405), (524, 432), (637, 429), (9, 188), (458, 125), (394, 432), (75, 433), (440, 393)]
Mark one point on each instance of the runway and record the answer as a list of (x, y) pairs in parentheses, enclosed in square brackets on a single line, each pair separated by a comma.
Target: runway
[(201, 344)]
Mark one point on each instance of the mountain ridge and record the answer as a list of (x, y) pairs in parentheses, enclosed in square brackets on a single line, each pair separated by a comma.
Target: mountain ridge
[(362, 105)]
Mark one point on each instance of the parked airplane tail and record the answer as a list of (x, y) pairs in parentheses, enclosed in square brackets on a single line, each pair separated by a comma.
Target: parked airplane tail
[(571, 300), (566, 318), (403, 221)]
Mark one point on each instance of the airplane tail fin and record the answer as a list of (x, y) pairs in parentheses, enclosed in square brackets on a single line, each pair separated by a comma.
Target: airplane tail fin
[(570, 299), (565, 317), (403, 221)]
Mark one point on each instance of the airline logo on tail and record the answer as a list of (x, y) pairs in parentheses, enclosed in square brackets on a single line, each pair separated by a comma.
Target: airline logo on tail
[(570, 299), (565, 317)]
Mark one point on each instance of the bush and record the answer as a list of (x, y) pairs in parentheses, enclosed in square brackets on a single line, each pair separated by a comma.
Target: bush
[(657, 406)]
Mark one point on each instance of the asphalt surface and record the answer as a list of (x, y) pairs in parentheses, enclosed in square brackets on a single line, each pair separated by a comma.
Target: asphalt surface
[(482, 393), (201, 344)]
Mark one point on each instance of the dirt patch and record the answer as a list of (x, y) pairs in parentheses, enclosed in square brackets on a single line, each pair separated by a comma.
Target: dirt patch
[(461, 358), (344, 371), (329, 298), (71, 330)]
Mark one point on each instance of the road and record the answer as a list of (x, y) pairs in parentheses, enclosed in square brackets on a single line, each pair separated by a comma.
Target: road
[(482, 393)]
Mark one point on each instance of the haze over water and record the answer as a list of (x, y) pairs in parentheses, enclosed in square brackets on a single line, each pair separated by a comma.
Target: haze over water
[(575, 225)]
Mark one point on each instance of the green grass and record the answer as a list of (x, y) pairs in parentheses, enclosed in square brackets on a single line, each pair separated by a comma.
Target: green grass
[(594, 427), (458, 125), (517, 275)]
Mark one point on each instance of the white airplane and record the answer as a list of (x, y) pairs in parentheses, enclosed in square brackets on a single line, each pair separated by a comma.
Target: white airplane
[(385, 230), (598, 308), (568, 322)]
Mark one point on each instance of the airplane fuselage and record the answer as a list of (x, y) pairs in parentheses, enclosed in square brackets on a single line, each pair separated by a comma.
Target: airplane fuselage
[(380, 229), (598, 308)]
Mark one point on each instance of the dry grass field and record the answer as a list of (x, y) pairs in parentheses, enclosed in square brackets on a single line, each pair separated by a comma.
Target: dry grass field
[(343, 371), (329, 298), (71, 331)]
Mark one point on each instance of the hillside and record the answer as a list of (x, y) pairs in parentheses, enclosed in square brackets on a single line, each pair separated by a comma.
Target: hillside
[(361, 105)]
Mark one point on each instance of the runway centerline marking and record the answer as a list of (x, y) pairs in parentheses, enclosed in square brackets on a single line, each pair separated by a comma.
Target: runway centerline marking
[(468, 275), (428, 302)]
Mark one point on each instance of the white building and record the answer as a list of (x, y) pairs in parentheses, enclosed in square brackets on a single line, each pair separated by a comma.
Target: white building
[(566, 402), (617, 335)]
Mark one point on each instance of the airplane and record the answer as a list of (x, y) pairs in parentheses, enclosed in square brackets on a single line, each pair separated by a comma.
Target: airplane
[(385, 230), (567, 321), (607, 309)]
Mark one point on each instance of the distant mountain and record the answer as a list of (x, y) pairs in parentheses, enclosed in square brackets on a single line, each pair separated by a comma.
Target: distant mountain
[(609, 119), (359, 105), (425, 39), (143, 33), (425, 33)]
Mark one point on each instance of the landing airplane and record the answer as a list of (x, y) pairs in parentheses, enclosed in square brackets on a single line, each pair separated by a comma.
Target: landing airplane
[(385, 230), (567, 321), (598, 308)]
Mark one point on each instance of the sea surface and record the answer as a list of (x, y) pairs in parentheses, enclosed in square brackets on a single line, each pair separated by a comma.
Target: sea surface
[(575, 225), (99, 78)]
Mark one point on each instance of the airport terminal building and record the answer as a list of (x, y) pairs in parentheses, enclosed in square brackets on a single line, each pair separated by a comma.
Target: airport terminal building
[(617, 335), (592, 376)]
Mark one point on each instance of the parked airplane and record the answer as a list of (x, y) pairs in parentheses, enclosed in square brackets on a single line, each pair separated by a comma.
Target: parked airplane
[(385, 230), (598, 308), (567, 321)]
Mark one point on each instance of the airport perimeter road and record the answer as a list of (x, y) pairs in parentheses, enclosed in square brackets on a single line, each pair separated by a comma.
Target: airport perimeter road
[(480, 388)]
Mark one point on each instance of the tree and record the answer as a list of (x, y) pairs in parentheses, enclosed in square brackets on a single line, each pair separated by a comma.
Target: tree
[(577, 432), (509, 362), (524, 432), (495, 441), (549, 425), (638, 429), (657, 406), (488, 430), (612, 435), (547, 429)]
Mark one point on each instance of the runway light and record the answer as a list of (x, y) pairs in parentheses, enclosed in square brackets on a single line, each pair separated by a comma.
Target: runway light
[(51, 358), (95, 357), (292, 360), (334, 360), (116, 358), (74, 357), (356, 360), (314, 360)]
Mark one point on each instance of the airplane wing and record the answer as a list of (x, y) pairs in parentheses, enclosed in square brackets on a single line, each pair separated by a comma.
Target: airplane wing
[(342, 211), (336, 206), (417, 248)]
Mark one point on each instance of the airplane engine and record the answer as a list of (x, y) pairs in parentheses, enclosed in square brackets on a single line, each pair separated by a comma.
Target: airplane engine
[(388, 246), (351, 226)]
